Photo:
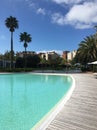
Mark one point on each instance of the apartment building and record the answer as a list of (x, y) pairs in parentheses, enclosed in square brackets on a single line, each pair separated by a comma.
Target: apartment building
[(51, 55), (64, 55), (28, 53), (67, 55)]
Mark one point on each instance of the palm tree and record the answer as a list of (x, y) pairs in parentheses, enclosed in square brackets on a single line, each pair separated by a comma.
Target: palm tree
[(95, 35), (95, 27), (26, 38), (12, 24), (87, 51)]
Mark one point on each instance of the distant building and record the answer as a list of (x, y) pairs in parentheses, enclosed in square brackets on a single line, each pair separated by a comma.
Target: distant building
[(49, 55), (71, 55), (64, 55), (74, 53), (42, 55), (28, 53), (67, 55)]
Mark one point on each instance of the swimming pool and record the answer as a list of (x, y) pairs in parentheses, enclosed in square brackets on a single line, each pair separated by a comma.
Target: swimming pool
[(26, 98)]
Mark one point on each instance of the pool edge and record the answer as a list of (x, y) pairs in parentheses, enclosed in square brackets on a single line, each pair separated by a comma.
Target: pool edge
[(46, 120)]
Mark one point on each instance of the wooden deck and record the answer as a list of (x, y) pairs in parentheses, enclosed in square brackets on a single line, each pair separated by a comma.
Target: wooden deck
[(80, 112)]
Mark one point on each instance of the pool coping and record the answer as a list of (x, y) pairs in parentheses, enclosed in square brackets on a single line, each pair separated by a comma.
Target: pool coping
[(47, 119)]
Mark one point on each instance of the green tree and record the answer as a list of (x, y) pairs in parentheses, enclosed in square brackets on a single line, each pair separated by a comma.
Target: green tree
[(1, 56), (26, 38), (33, 61), (87, 51), (19, 62), (95, 27), (7, 55), (12, 24)]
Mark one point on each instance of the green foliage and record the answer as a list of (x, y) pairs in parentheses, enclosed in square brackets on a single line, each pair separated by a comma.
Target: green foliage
[(16, 70), (63, 62), (1, 56), (55, 62), (33, 61), (20, 62), (7, 55), (94, 68), (87, 51), (11, 23), (26, 38)]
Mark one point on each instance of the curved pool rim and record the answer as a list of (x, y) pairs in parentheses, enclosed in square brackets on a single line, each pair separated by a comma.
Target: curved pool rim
[(46, 120)]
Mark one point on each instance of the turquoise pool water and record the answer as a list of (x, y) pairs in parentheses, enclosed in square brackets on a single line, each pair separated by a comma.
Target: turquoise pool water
[(26, 98)]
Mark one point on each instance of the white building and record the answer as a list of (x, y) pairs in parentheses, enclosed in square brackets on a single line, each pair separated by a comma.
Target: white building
[(71, 55), (49, 55)]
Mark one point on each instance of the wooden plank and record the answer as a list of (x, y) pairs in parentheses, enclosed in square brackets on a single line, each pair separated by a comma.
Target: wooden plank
[(80, 112)]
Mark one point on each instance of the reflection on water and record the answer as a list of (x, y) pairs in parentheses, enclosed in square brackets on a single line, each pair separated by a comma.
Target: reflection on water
[(66, 79), (26, 98)]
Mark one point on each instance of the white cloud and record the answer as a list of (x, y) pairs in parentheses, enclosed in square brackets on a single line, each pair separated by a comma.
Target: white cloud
[(81, 13), (84, 13), (67, 1), (58, 18), (83, 26), (32, 5), (41, 11), (80, 16)]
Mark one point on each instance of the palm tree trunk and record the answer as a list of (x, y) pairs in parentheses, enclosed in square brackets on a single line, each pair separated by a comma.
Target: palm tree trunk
[(25, 60), (11, 50)]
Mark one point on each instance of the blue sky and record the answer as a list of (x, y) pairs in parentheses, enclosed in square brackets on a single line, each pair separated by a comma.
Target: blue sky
[(53, 24)]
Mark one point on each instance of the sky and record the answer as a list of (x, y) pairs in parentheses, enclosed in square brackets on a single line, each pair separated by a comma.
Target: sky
[(53, 24)]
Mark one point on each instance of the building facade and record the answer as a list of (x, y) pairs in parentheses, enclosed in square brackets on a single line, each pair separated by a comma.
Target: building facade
[(67, 55), (49, 55), (28, 53), (64, 55)]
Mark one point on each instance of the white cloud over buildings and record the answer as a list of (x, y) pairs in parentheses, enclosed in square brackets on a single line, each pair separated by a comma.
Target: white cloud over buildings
[(79, 15), (67, 1)]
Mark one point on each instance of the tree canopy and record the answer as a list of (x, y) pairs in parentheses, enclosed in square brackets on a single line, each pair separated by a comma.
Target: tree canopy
[(87, 51)]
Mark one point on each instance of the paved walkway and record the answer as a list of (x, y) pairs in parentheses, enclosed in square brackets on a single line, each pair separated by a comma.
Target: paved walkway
[(80, 112)]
